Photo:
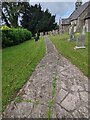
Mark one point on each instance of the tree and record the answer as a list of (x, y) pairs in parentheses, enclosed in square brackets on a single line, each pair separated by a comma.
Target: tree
[(34, 19), (11, 12), (48, 21), (31, 17)]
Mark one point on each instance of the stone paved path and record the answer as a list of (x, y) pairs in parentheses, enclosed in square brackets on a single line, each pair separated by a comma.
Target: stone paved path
[(57, 89)]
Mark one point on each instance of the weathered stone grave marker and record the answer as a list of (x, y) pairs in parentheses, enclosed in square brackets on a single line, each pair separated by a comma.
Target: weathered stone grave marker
[(41, 33), (46, 33), (50, 32), (71, 33), (56, 32), (80, 42), (53, 32)]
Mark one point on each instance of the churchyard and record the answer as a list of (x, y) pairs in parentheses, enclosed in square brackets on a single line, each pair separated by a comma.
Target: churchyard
[(78, 57), (20, 62), (44, 69), (45, 78)]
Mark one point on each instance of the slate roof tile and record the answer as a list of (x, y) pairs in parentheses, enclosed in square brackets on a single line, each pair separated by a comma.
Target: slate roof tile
[(79, 11)]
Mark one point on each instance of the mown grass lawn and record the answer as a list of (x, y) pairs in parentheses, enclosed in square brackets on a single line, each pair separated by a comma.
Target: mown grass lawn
[(18, 63), (78, 57)]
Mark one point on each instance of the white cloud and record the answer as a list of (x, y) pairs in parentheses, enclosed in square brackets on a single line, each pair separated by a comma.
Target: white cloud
[(60, 9)]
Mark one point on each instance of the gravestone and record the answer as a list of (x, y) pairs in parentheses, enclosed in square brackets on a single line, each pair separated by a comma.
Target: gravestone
[(53, 32), (36, 37), (40, 34), (80, 42), (56, 32), (45, 33), (50, 32), (71, 33)]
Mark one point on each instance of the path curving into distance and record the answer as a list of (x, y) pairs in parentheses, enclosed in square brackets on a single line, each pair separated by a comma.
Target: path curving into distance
[(56, 89)]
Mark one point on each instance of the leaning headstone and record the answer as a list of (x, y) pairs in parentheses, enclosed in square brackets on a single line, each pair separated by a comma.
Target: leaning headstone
[(80, 42), (53, 32), (71, 33)]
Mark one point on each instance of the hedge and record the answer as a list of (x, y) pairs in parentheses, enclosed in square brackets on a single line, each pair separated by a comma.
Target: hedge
[(14, 36)]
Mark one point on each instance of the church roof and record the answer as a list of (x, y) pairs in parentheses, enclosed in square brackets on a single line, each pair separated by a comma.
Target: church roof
[(79, 11), (65, 21)]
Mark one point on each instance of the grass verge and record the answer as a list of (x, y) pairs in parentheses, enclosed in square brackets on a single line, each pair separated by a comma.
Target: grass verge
[(78, 57), (18, 64)]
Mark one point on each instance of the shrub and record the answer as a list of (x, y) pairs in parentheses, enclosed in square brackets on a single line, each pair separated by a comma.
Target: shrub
[(14, 36), (5, 27)]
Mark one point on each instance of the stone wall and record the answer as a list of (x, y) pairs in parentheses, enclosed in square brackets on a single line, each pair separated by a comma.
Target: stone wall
[(64, 28), (87, 24)]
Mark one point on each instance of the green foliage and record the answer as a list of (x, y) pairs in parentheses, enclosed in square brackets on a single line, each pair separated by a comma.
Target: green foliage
[(54, 87), (14, 36), (5, 27), (50, 108), (35, 19), (11, 12), (18, 64)]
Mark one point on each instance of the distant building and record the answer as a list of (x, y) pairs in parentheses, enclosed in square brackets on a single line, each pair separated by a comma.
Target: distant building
[(65, 23), (80, 16)]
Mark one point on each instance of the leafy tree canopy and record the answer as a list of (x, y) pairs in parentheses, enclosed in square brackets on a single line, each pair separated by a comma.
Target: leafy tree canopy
[(33, 17)]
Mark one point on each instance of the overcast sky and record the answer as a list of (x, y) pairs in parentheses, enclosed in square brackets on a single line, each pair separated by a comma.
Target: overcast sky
[(60, 8)]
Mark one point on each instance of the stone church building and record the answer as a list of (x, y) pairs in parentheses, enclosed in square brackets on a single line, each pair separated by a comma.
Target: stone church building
[(80, 17)]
